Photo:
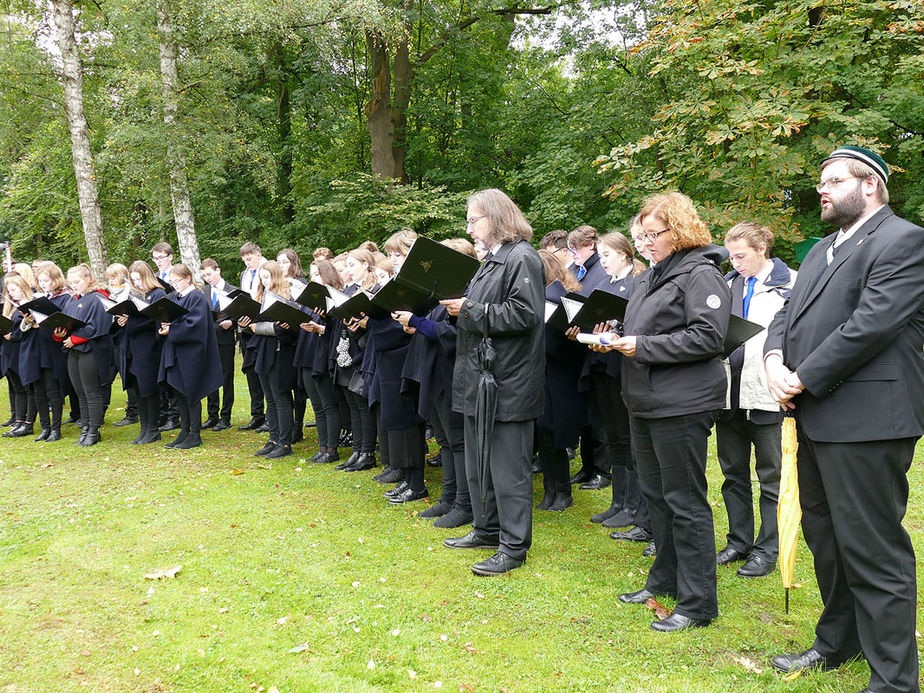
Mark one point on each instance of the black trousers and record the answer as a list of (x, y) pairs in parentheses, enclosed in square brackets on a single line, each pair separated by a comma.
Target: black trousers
[(278, 403), (320, 389), (508, 485), (48, 399), (671, 457), (452, 425), (363, 423), (854, 497), (734, 437), (22, 403), (406, 446), (81, 367), (226, 357), (190, 414)]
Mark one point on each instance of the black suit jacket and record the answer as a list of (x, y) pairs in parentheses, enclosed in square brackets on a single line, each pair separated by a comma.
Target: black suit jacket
[(223, 336), (854, 332)]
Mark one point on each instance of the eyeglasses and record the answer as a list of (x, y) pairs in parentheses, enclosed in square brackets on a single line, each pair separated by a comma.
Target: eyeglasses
[(831, 182), (159, 257), (651, 237), (474, 220)]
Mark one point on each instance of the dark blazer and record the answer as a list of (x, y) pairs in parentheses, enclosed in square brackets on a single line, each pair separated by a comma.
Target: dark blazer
[(431, 356), (679, 313), (228, 336), (594, 274), (853, 331), (189, 362), (506, 298)]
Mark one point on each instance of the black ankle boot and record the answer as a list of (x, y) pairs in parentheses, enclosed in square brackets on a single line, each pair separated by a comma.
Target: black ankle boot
[(91, 438), (84, 429), (54, 435), (43, 436)]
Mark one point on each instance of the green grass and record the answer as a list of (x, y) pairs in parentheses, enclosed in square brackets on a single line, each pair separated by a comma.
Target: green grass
[(285, 557)]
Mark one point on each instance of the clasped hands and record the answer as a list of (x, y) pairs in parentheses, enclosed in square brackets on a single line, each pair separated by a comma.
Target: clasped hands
[(783, 383)]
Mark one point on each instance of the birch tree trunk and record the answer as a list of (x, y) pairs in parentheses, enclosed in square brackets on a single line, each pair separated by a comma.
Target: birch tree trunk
[(176, 160), (87, 193)]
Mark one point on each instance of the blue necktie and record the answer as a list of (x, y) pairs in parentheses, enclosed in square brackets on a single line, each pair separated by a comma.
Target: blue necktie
[(581, 272), (748, 294), (214, 299)]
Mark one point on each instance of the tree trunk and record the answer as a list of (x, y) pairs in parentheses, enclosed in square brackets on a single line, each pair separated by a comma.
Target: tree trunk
[(404, 73), (284, 130), (87, 193), (176, 161), (378, 109)]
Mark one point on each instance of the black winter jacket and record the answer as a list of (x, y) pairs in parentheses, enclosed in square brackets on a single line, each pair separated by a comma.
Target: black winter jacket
[(679, 313)]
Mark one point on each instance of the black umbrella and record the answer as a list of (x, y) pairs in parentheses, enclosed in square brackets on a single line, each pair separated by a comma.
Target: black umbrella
[(485, 408)]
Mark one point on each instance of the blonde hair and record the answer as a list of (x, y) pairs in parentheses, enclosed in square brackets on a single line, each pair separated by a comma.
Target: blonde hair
[(401, 241), (555, 271), (278, 283), (366, 257), (677, 211), (148, 280), (462, 245), (20, 281), (55, 274), (385, 265), (24, 270), (117, 269), (84, 270)]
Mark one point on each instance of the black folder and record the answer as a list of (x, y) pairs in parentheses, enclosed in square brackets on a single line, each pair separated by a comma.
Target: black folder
[(600, 306), (356, 306), (56, 320), (163, 310), (41, 304), (165, 285), (739, 331), (556, 315), (275, 308), (125, 307), (311, 295), (241, 306), (6, 325), (430, 273)]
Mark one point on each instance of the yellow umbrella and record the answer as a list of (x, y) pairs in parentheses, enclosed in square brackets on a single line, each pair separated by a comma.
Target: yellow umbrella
[(788, 511)]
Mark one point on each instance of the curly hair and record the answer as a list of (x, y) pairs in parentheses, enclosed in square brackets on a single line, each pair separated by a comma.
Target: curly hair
[(680, 216)]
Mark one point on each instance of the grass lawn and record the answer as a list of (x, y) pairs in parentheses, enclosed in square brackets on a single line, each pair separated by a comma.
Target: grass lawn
[(302, 578)]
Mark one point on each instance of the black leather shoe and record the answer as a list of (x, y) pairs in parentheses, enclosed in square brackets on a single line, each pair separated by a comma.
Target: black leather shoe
[(22, 430), (595, 483), (91, 438), (606, 514), (9, 422), (624, 518), (53, 436), (472, 540), (327, 458), (363, 462), (408, 495), (634, 534), (127, 421), (221, 426), (729, 555), (315, 457), (582, 477), (676, 622), (170, 425), (454, 518), (42, 436), (438, 510), (650, 550), (262, 428), (808, 660), (640, 597), (210, 423), (266, 449), (151, 437), (279, 451), (349, 461), (251, 425), (400, 488), (389, 475), (756, 566), (189, 442), (498, 564)]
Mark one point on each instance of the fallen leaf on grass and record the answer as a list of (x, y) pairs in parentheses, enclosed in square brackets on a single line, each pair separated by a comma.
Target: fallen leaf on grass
[(46, 465), (299, 648), (661, 611), (85, 653), (748, 664), (282, 621), (235, 472), (223, 609), (263, 466), (370, 665), (163, 573)]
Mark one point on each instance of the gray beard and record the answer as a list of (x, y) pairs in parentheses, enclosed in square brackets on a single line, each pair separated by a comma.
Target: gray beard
[(845, 213)]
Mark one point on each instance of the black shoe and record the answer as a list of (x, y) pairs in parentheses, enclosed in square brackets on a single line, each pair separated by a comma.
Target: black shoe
[(624, 518), (42, 436), (582, 477), (266, 449), (84, 429), (349, 461), (170, 425), (408, 495), (562, 502), (756, 566), (472, 540), (595, 483), (91, 438), (498, 564), (634, 534), (650, 550), (10, 433), (9, 422), (640, 597), (390, 475), (400, 488), (262, 428), (434, 460), (676, 622), (151, 437), (179, 439), (809, 660), (315, 457), (279, 451), (729, 555), (221, 426), (127, 421), (252, 425), (327, 458), (190, 441), (606, 514), (546, 501), (23, 430), (210, 422), (454, 518), (363, 462), (54, 436), (437, 510)]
